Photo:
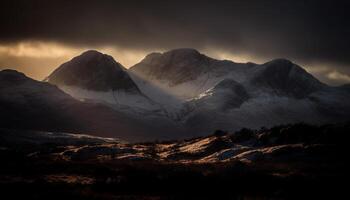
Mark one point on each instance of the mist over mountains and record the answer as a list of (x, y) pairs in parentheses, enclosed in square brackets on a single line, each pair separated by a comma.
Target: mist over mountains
[(177, 125), (103, 100), (176, 94)]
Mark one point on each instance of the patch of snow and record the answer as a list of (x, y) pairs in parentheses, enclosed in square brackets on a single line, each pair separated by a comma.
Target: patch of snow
[(197, 146), (116, 98)]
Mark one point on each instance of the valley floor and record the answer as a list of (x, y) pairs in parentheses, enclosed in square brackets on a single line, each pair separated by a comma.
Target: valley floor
[(286, 162)]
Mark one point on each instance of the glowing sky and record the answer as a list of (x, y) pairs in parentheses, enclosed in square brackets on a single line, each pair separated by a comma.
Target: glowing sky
[(37, 36), (38, 59)]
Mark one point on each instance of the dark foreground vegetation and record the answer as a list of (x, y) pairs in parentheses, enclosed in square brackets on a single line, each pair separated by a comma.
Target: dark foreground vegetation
[(317, 169)]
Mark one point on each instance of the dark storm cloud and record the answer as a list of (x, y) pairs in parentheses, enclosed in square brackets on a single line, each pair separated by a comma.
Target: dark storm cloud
[(307, 31)]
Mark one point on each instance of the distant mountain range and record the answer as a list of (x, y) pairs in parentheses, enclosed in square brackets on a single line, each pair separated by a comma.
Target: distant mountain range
[(176, 94)]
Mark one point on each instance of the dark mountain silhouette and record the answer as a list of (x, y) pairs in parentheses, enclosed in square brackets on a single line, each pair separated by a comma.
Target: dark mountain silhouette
[(94, 71), (286, 78), (176, 66)]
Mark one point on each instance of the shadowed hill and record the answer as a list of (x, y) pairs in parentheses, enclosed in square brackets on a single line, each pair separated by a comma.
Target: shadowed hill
[(94, 71), (29, 104)]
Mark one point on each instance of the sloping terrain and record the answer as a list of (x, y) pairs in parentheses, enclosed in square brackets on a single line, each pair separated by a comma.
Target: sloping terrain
[(245, 145), (33, 105), (176, 94), (98, 77), (93, 70), (220, 93), (290, 161)]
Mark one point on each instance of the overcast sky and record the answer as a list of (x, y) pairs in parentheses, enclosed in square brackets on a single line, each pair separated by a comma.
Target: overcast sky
[(37, 36)]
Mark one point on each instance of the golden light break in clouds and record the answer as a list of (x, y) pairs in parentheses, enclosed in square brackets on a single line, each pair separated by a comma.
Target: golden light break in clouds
[(37, 59)]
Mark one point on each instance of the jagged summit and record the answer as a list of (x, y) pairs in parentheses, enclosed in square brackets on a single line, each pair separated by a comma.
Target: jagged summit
[(94, 71)]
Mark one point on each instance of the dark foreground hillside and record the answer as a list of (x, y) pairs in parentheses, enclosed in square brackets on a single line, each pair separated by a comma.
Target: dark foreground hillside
[(286, 162)]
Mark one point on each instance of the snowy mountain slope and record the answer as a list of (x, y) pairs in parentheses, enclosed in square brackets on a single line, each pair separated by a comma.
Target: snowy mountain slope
[(225, 95), (253, 95), (117, 99), (189, 79), (186, 87), (34, 105), (15, 87), (284, 78), (255, 113), (180, 93), (185, 73), (332, 102), (98, 77)]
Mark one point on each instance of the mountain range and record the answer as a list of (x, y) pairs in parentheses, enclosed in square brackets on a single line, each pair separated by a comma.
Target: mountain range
[(176, 94)]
